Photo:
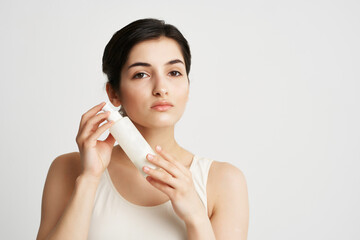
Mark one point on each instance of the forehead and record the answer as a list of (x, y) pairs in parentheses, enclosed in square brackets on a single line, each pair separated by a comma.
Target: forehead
[(155, 51)]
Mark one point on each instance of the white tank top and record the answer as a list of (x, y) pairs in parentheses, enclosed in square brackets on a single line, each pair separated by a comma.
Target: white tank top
[(114, 217)]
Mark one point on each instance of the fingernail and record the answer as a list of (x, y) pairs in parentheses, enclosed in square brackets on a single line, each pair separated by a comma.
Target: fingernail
[(146, 169), (150, 157), (158, 148)]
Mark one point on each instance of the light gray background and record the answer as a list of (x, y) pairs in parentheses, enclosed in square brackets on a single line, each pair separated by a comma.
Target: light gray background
[(274, 91)]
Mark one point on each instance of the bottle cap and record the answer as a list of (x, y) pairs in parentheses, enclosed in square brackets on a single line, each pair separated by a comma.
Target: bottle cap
[(114, 115)]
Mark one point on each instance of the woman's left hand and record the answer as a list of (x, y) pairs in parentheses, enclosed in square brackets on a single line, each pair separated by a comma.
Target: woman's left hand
[(175, 180)]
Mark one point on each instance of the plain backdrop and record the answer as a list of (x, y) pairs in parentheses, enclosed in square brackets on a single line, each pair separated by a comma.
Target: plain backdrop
[(274, 91)]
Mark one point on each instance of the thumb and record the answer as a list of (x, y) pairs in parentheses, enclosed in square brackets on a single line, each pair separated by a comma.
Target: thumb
[(110, 140)]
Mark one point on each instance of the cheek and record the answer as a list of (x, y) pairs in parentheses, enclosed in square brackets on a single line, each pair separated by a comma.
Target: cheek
[(129, 97), (131, 100), (182, 95)]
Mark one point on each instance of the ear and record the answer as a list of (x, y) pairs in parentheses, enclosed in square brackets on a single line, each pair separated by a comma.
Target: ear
[(113, 96)]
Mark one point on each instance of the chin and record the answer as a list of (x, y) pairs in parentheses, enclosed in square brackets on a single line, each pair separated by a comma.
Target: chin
[(157, 120), (163, 122)]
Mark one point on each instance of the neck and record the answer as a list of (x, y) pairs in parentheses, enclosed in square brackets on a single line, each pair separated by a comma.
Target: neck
[(163, 137)]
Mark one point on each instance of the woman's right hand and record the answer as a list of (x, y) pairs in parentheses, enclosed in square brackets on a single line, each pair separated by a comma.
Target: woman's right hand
[(95, 155)]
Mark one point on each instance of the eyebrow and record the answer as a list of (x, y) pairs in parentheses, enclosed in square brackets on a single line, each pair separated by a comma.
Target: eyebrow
[(149, 65)]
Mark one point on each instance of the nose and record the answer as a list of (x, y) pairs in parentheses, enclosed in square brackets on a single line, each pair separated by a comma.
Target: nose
[(160, 89), (162, 92)]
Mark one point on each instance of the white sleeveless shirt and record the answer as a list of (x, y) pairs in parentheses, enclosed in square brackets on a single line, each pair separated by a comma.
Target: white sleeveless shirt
[(114, 217)]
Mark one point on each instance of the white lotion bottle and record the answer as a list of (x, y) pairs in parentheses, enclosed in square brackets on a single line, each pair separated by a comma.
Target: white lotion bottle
[(130, 139)]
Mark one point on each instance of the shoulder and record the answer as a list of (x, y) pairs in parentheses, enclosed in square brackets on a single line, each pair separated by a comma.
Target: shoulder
[(225, 180), (59, 185), (65, 166), (225, 173), (69, 162), (230, 210), (63, 172), (61, 178)]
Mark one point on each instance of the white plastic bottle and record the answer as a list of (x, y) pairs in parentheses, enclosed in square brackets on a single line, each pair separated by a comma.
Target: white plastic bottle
[(129, 139)]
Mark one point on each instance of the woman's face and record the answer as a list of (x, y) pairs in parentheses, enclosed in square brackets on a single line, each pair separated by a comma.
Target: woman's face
[(154, 72)]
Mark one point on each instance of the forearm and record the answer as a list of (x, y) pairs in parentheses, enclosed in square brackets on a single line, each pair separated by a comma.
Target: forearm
[(200, 229), (75, 221)]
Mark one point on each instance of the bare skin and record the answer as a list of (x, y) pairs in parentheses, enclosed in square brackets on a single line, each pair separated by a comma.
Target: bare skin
[(73, 178), (122, 174)]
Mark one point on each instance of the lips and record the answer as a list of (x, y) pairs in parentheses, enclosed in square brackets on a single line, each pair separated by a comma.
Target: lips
[(162, 105)]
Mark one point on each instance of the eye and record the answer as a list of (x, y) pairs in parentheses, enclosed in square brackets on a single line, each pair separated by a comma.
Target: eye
[(175, 73), (140, 75)]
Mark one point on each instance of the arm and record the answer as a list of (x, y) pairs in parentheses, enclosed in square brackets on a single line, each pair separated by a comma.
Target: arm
[(226, 187), (200, 228), (230, 217), (67, 200), (72, 181)]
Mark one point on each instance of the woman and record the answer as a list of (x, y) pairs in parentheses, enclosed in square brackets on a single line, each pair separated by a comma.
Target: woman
[(97, 193)]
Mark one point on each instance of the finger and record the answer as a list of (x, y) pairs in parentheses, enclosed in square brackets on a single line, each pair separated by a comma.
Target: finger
[(93, 123), (161, 186), (161, 176), (91, 126), (101, 130), (166, 165), (110, 140), (85, 117), (171, 159)]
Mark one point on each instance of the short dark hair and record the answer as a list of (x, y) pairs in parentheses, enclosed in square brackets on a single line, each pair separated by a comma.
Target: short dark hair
[(117, 50)]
